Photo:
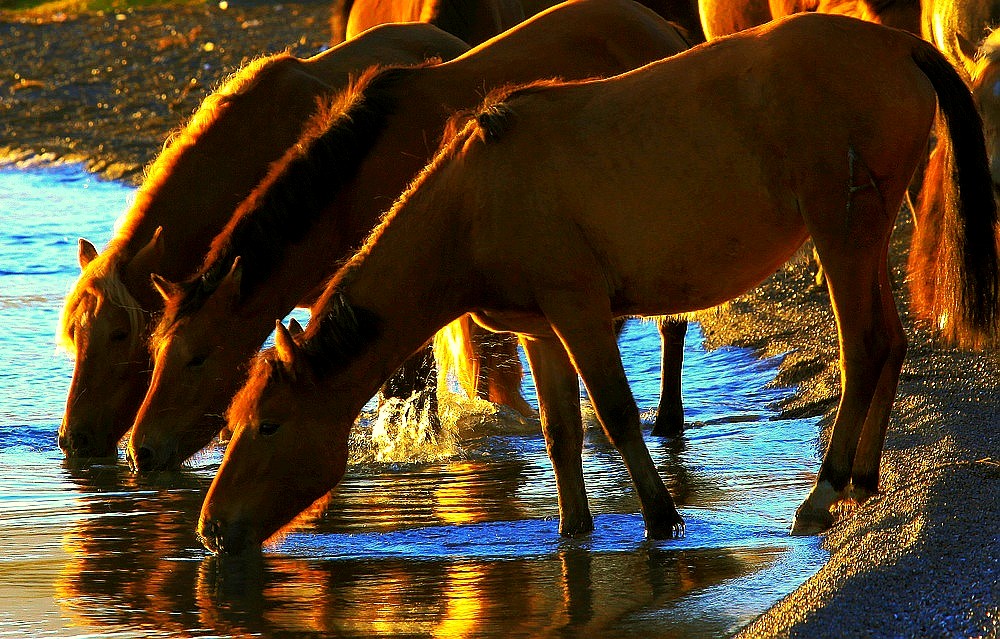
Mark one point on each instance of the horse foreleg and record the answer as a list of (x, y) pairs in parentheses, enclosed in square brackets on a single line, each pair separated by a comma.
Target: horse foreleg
[(562, 424), (670, 413), (585, 328), (501, 373)]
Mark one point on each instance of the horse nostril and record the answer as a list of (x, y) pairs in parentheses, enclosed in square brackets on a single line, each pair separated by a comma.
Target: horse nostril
[(211, 535)]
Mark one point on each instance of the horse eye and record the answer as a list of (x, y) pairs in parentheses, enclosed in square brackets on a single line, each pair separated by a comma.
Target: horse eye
[(119, 335), (196, 361), (268, 428)]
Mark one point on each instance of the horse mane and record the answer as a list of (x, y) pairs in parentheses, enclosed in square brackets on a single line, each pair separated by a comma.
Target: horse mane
[(335, 336), (297, 189), (495, 115), (181, 139), (101, 282)]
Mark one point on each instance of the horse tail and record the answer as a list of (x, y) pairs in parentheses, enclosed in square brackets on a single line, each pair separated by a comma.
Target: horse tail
[(966, 295), (455, 352)]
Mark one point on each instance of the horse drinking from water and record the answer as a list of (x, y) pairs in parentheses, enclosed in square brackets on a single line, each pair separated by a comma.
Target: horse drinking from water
[(324, 197), (189, 194), (668, 189)]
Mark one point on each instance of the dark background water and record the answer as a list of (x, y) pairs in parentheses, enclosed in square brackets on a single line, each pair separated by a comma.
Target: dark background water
[(458, 540)]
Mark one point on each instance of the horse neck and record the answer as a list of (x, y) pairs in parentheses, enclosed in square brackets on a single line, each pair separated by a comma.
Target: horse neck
[(415, 278)]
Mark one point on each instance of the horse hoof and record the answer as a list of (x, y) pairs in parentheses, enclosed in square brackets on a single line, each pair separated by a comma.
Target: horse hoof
[(861, 494), (810, 520), (672, 529), (668, 426)]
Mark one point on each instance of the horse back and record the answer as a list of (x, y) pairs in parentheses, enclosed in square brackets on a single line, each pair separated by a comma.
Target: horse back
[(721, 159)]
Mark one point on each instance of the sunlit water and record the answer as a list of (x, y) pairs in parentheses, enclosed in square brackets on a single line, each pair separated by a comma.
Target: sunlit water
[(458, 542)]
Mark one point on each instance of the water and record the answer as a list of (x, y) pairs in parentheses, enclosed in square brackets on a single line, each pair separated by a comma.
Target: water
[(458, 543)]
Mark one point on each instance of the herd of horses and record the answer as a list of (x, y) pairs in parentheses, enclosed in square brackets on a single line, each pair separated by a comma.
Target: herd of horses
[(582, 163)]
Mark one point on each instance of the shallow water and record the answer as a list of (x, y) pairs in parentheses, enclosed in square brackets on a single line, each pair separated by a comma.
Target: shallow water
[(459, 541)]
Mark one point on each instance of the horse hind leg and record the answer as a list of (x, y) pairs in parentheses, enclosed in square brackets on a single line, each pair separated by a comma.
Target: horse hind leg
[(562, 424), (584, 325), (853, 247), (670, 412), (868, 457)]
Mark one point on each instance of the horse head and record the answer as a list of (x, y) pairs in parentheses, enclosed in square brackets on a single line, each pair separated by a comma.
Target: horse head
[(271, 471), (182, 410), (102, 326)]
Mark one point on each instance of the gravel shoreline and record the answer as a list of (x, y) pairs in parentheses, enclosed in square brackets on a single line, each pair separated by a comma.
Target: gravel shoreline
[(922, 559)]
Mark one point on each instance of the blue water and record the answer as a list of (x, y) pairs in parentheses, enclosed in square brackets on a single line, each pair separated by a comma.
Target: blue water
[(462, 544)]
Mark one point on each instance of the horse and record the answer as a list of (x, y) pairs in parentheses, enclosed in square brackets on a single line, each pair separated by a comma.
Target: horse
[(473, 22), (962, 30), (235, 134), (327, 193), (477, 21), (723, 17), (668, 189)]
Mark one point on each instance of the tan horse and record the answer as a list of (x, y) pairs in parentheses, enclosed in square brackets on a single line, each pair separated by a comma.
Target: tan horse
[(327, 193), (961, 29), (190, 192), (724, 17), (668, 189)]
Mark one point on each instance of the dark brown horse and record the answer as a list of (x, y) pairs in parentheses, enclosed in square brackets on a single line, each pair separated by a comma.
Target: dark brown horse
[(664, 190), (189, 194), (327, 193)]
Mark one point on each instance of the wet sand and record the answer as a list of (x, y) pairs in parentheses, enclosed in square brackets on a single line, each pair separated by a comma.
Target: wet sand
[(922, 559)]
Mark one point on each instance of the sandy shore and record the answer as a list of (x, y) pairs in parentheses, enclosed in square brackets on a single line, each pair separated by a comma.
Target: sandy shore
[(922, 559)]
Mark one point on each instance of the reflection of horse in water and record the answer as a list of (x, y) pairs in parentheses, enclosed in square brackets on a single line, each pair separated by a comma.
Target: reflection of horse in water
[(564, 206), (329, 190), (189, 194)]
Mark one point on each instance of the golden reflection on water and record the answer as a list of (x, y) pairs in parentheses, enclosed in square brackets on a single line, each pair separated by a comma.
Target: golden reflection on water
[(135, 565)]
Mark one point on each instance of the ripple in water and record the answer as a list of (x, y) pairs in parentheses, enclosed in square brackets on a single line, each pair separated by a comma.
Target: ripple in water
[(458, 539)]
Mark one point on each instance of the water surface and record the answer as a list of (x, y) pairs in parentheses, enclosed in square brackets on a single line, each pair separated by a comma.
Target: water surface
[(454, 540)]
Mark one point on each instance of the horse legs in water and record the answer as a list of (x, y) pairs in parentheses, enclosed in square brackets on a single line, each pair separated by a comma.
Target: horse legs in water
[(584, 324), (418, 374), (670, 412), (669, 420), (562, 424)]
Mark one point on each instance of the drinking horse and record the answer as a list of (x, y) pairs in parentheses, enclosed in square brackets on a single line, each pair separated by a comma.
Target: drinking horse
[(189, 193), (668, 189), (328, 192)]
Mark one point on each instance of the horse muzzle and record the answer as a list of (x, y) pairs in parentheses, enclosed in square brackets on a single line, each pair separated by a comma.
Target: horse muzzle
[(76, 443), (226, 539)]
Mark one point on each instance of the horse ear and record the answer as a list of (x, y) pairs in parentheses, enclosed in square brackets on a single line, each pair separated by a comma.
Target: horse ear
[(86, 254), (284, 345), (230, 284), (294, 327), (149, 257), (163, 286), (967, 51)]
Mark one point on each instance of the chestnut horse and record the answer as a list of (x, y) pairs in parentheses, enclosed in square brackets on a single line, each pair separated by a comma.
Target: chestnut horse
[(475, 21), (189, 194), (724, 17), (331, 188), (668, 189), (962, 30)]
